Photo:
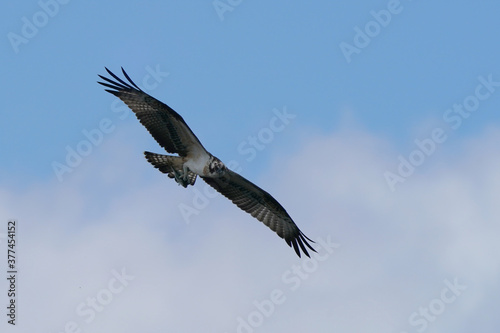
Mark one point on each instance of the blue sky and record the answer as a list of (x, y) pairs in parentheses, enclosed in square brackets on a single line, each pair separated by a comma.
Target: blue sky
[(258, 57), (229, 72)]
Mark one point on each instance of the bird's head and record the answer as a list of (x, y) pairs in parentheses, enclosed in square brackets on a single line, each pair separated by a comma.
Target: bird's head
[(216, 166)]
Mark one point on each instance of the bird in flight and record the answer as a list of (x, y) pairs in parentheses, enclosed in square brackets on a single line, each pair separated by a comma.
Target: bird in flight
[(172, 133)]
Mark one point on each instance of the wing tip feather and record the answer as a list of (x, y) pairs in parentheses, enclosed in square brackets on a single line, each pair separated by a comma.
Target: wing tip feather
[(300, 242), (118, 84)]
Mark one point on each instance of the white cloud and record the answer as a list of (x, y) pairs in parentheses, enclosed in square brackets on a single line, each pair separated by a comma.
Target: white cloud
[(396, 248)]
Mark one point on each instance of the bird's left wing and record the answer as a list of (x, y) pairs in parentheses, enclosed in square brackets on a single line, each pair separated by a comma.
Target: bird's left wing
[(167, 127), (261, 205)]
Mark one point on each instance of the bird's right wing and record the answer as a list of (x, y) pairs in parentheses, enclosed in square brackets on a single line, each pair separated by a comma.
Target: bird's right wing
[(167, 127)]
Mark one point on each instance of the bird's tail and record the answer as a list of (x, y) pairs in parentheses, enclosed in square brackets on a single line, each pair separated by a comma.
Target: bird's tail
[(172, 166)]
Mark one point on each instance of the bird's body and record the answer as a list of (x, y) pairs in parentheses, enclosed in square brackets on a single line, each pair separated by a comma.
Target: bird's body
[(173, 134)]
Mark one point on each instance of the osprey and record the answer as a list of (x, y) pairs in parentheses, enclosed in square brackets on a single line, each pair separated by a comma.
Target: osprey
[(171, 131)]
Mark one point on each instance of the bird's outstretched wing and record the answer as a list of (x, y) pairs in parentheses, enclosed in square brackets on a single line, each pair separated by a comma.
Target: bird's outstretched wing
[(261, 205), (165, 125)]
